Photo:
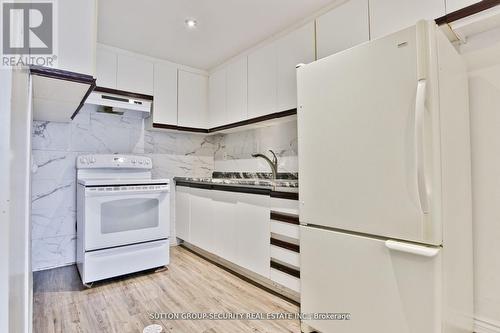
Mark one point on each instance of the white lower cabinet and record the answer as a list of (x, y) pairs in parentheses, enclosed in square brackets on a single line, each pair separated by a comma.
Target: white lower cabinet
[(253, 232), (202, 230), (182, 212), (225, 224), (231, 225)]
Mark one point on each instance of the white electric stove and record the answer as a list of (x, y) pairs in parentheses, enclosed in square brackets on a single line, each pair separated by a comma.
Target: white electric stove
[(123, 216)]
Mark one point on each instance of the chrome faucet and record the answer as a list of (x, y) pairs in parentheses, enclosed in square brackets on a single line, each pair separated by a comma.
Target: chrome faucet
[(273, 164)]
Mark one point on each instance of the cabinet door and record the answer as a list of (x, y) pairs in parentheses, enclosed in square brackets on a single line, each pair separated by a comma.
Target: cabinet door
[(134, 75), (262, 72), (192, 100), (182, 213), (253, 233), (236, 90), (225, 224), (453, 5), (388, 16), (201, 226), (77, 36), (165, 94), (106, 63), (343, 27), (217, 98), (294, 48)]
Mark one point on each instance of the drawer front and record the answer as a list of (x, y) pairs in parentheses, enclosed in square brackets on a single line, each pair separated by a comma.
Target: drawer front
[(286, 256), (285, 229), (286, 280)]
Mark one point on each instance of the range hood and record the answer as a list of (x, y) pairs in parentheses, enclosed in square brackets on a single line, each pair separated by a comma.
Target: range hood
[(117, 101)]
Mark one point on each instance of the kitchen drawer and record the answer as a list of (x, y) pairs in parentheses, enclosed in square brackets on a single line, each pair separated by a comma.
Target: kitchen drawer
[(285, 205), (286, 256), (286, 280), (285, 229)]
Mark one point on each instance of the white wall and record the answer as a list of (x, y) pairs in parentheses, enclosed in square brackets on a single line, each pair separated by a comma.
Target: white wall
[(482, 55), (484, 85), (15, 266), (6, 84)]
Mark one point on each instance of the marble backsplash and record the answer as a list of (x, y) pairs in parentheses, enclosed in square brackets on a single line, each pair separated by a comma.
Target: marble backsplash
[(235, 150), (55, 147)]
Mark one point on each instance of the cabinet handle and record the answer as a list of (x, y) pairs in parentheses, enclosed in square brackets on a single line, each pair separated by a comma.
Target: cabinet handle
[(418, 250)]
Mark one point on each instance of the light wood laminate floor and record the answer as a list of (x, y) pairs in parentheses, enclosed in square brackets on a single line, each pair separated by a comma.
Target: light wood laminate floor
[(191, 284)]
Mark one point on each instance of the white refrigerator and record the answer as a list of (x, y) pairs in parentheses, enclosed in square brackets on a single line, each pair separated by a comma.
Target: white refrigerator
[(385, 187)]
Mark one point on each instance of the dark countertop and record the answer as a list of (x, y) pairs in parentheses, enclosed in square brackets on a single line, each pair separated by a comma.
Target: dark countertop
[(280, 188)]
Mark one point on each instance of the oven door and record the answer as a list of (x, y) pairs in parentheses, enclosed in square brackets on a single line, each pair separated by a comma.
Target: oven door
[(116, 216)]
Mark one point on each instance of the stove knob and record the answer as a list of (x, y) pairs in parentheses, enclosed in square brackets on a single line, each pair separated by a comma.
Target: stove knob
[(134, 161), (83, 160), (141, 161), (147, 162)]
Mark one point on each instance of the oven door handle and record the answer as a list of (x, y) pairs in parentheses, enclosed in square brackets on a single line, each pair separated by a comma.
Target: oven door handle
[(97, 193)]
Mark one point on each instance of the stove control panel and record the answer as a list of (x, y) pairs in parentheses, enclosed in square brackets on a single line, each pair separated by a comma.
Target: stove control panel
[(105, 161)]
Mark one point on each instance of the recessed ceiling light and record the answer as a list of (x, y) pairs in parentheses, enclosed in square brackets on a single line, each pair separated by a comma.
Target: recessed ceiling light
[(191, 23)]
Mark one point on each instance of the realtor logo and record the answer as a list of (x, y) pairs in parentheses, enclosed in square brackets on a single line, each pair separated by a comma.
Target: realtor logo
[(28, 32)]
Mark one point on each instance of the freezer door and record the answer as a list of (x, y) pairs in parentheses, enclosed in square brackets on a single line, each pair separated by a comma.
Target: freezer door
[(385, 286), (365, 139)]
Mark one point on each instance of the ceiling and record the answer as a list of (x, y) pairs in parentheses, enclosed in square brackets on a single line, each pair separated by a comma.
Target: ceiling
[(225, 27)]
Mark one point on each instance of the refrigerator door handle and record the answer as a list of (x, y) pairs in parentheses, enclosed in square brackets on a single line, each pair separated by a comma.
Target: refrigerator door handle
[(419, 145), (418, 250)]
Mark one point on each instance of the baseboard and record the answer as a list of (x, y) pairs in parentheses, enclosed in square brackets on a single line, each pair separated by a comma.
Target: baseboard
[(483, 325)]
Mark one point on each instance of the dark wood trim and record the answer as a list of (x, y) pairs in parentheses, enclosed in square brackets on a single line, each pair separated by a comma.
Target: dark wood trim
[(271, 116), (91, 88), (246, 122), (241, 189), (59, 74), (285, 217), (467, 11), (123, 93), (180, 128), (285, 245), (285, 195), (285, 269), (222, 187)]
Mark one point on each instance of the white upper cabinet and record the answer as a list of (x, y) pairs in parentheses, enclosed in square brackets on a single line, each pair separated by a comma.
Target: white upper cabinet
[(77, 35), (272, 74), (342, 28), (165, 94), (227, 89), (217, 98), (292, 49), (453, 5), (262, 78), (106, 68), (236, 90), (134, 74), (192, 100), (388, 16)]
